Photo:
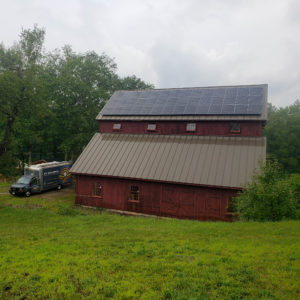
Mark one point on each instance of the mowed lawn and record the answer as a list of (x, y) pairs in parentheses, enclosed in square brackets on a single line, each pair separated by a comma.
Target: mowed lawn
[(48, 249)]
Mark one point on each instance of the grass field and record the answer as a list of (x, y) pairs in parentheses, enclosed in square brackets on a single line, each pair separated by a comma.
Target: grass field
[(48, 249)]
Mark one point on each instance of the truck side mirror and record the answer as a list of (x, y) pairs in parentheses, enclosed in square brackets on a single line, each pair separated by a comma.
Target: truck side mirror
[(33, 181)]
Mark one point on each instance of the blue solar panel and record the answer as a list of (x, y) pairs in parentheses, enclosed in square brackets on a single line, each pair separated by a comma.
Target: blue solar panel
[(242, 100), (254, 109), (241, 109), (215, 109), (243, 91), (227, 109), (216, 100), (229, 100), (190, 110), (231, 92), (202, 109)]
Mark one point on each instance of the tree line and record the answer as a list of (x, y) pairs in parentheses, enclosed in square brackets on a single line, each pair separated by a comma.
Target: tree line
[(283, 136), (49, 101)]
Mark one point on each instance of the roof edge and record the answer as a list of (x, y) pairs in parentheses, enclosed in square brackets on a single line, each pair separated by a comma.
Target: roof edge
[(160, 181), (194, 87)]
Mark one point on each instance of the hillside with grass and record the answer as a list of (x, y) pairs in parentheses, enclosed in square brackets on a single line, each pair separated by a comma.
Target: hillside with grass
[(52, 250)]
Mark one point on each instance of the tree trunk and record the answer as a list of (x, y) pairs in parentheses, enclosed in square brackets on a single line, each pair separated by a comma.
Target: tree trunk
[(29, 158), (6, 139)]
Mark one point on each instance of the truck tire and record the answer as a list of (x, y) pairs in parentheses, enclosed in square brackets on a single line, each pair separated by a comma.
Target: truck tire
[(27, 193), (59, 187)]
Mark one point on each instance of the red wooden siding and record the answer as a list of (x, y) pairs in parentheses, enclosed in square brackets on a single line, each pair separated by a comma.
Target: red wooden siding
[(179, 127), (162, 199)]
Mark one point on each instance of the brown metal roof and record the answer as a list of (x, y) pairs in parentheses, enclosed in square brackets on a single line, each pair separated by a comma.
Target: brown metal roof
[(203, 160)]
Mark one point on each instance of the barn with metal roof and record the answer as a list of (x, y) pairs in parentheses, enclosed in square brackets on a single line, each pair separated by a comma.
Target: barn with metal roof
[(174, 152)]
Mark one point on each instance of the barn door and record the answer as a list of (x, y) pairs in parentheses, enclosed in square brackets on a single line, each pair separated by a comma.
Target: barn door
[(169, 201), (187, 203), (213, 204)]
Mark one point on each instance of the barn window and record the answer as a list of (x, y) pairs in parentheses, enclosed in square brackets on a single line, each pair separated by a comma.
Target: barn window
[(97, 189), (151, 127), (191, 127), (235, 128), (134, 193), (117, 126)]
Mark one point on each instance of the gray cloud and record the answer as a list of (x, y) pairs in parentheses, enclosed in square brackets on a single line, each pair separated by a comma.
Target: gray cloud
[(174, 43)]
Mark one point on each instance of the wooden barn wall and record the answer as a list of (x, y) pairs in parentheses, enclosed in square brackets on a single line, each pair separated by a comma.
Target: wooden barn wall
[(162, 199), (167, 127)]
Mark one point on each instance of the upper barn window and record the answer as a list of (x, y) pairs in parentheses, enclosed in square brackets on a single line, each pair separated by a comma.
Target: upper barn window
[(117, 126), (97, 189), (151, 127), (235, 128), (191, 127)]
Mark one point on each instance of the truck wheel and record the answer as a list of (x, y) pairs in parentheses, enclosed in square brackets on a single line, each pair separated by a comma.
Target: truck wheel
[(59, 187), (27, 193)]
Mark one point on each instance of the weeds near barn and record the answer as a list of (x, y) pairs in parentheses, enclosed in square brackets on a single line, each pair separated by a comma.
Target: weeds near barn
[(49, 249)]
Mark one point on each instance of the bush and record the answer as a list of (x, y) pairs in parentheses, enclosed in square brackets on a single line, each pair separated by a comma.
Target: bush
[(8, 166), (295, 181), (269, 197)]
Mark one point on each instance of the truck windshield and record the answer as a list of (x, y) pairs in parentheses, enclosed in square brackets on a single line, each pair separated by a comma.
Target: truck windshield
[(24, 180)]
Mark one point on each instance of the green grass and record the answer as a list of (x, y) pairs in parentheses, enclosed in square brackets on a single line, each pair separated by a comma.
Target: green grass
[(49, 249)]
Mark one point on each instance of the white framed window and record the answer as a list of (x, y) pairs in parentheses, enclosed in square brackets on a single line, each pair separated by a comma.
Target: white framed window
[(235, 128), (97, 189), (117, 126), (151, 127), (134, 193), (191, 127)]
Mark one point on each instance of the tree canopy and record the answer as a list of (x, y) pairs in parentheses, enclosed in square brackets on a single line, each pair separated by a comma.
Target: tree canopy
[(49, 100), (283, 136)]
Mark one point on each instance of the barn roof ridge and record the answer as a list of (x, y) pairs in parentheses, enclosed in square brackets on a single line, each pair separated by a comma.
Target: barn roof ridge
[(193, 87)]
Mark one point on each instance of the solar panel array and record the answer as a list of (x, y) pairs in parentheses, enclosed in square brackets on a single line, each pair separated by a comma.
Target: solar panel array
[(245, 100)]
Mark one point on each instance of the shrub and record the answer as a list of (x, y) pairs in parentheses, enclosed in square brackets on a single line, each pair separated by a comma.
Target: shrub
[(269, 197), (295, 181)]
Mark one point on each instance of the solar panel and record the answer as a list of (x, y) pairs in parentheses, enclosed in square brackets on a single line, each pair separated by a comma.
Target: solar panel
[(231, 92), (229, 100), (241, 109), (215, 109), (254, 109), (243, 91), (242, 100), (202, 110), (227, 109), (190, 110), (216, 100)]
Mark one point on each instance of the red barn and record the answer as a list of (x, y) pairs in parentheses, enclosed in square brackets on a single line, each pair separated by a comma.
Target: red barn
[(174, 152)]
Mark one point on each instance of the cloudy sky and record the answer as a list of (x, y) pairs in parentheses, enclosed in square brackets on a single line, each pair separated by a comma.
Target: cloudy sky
[(176, 43)]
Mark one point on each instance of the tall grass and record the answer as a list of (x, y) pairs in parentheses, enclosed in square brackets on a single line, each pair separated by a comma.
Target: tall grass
[(51, 250)]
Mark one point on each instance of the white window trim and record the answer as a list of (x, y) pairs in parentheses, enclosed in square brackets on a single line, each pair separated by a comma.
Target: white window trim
[(193, 125), (151, 125), (117, 126)]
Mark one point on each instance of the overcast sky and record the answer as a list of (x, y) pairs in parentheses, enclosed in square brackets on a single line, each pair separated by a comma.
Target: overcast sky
[(175, 43)]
